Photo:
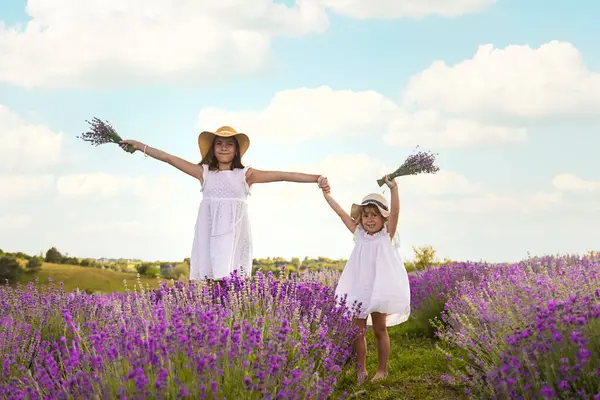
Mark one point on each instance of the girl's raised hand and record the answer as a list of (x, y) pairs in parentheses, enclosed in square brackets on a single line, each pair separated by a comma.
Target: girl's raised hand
[(133, 143), (390, 184)]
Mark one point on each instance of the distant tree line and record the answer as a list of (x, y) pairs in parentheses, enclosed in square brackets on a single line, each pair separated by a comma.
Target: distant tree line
[(13, 265), (278, 265)]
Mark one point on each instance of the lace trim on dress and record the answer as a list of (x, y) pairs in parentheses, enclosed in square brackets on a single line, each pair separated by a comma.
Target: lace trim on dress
[(395, 240)]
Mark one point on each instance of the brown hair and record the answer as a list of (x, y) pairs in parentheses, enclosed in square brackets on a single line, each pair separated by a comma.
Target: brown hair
[(213, 163)]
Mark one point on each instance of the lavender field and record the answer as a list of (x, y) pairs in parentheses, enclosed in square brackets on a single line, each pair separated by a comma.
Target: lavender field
[(524, 330)]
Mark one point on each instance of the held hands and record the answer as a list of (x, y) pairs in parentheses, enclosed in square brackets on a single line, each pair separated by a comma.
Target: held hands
[(323, 184)]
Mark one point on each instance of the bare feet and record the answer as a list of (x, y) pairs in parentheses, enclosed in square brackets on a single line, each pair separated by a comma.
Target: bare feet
[(362, 376), (379, 376)]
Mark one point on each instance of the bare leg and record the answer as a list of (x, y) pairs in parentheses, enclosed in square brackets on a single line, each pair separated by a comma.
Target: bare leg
[(383, 345), (360, 347)]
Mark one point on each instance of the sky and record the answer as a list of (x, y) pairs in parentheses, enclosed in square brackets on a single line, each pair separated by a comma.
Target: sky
[(506, 92)]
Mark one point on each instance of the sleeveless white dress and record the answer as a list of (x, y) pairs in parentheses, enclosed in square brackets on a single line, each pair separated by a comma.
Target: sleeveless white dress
[(222, 239), (376, 277)]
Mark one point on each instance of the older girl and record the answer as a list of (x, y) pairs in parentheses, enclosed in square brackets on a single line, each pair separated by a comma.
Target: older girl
[(222, 239)]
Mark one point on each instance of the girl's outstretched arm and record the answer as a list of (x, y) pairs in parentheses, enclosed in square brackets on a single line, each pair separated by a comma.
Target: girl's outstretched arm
[(189, 168), (258, 176), (348, 221), (394, 207)]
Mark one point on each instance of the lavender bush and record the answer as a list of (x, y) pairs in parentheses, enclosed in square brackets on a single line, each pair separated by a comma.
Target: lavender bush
[(520, 316), (522, 330), (247, 338), (555, 358), (430, 289)]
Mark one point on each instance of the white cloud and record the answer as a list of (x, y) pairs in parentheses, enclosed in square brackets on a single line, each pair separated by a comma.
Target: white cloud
[(307, 113), (344, 168), (102, 184), (491, 202), (120, 41), (386, 9), (518, 80), (317, 113), (361, 171), (26, 146), (351, 177), (20, 186), (103, 214), (431, 129), (308, 222), (16, 221), (117, 42), (134, 227), (302, 224), (447, 210), (441, 183), (92, 184), (443, 106), (572, 183)]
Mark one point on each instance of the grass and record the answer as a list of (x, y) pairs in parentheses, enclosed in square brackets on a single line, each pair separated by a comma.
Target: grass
[(415, 368), (87, 278)]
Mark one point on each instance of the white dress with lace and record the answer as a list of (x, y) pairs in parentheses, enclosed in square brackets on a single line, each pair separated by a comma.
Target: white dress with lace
[(222, 239), (376, 277)]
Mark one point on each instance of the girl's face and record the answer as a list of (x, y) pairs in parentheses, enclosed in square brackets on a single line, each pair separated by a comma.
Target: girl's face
[(371, 219), (225, 149)]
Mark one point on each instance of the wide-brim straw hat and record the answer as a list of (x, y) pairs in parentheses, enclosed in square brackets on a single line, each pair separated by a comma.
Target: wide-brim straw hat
[(371, 199), (205, 139)]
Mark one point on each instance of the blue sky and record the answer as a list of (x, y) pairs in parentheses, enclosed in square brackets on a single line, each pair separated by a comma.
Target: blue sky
[(496, 199)]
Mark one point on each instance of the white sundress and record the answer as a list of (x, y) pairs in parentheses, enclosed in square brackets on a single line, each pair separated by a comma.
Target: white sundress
[(376, 277), (222, 239)]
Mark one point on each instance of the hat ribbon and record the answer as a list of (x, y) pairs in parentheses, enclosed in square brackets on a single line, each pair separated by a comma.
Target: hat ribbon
[(376, 202)]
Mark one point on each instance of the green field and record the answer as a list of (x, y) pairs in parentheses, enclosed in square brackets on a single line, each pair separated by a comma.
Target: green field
[(415, 369), (87, 278)]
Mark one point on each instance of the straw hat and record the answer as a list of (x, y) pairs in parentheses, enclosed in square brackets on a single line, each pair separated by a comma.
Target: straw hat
[(375, 199), (205, 139)]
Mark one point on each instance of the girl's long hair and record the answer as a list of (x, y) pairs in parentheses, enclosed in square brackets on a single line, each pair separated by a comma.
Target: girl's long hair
[(213, 163)]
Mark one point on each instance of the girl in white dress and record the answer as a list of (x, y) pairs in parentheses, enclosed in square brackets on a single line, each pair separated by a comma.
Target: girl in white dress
[(222, 239), (374, 275)]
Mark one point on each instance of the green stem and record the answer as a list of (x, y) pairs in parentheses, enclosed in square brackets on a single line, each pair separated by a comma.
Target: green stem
[(391, 176), (130, 149)]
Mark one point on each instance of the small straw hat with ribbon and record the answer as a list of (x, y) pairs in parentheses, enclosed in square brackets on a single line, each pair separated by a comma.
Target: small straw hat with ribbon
[(371, 199)]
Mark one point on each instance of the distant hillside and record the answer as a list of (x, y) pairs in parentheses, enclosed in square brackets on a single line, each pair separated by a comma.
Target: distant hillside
[(89, 279)]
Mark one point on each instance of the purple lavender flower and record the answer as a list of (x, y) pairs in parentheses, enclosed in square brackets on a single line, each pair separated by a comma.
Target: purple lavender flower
[(258, 334), (418, 163), (545, 340), (102, 132)]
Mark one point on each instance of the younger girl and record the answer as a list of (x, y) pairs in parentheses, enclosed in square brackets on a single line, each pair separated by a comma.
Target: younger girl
[(374, 275), (222, 240)]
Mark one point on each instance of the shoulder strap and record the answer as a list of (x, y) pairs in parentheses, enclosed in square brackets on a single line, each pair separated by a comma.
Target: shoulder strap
[(204, 176), (243, 174), (356, 232), (395, 240)]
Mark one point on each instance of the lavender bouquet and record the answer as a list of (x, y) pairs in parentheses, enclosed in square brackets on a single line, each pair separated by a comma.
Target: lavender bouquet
[(418, 163), (102, 132)]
